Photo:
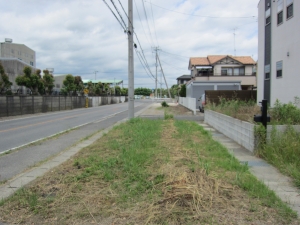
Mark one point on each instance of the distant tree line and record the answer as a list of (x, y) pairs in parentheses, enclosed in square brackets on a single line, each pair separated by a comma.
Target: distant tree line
[(73, 85)]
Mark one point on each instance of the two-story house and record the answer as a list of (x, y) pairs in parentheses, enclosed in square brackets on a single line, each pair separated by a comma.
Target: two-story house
[(278, 50), (218, 68)]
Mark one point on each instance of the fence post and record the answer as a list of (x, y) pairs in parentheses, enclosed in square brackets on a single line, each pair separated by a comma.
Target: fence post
[(21, 105), (71, 103), (51, 102), (32, 102), (59, 103), (7, 113), (65, 102)]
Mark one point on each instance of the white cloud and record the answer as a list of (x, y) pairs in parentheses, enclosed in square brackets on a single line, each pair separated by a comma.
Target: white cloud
[(80, 36)]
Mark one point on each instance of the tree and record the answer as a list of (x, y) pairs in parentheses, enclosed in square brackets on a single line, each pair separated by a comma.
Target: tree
[(5, 84), (142, 91), (78, 84), (117, 90), (69, 84), (106, 88), (31, 81), (99, 88), (91, 88), (48, 81), (182, 91), (124, 91)]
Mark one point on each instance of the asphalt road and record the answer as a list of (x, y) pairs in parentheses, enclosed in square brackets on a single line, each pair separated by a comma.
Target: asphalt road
[(24, 130), (21, 131)]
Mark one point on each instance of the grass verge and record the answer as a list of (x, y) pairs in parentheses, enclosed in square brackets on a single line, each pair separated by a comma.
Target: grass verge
[(149, 172)]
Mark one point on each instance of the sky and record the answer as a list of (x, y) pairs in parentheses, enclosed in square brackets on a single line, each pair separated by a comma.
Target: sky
[(80, 37)]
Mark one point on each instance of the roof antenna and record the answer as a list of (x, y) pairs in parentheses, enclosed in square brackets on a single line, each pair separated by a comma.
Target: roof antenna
[(234, 40)]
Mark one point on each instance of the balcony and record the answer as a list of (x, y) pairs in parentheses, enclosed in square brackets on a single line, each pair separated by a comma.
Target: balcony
[(246, 79)]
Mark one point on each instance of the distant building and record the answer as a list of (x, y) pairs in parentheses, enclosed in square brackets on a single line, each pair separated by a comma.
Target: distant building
[(17, 51), (224, 68), (183, 79), (14, 58), (278, 50)]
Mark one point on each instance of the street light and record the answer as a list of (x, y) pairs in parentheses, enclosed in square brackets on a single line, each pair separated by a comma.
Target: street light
[(95, 74)]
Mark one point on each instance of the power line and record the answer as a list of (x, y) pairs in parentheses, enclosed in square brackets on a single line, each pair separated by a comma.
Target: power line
[(118, 12), (153, 23), (124, 28), (147, 21), (213, 17), (174, 54), (141, 22)]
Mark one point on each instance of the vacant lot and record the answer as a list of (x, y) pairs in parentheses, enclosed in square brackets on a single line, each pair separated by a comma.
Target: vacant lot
[(149, 172)]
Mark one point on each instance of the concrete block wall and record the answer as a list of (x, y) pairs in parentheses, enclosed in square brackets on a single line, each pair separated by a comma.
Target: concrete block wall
[(240, 131), (280, 129)]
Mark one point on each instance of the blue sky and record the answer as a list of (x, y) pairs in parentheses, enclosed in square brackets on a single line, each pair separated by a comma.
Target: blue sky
[(82, 36)]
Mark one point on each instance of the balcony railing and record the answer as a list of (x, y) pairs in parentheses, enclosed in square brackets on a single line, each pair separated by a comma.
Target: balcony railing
[(216, 74)]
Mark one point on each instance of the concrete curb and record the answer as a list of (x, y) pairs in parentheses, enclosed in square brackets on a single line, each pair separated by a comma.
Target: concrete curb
[(23, 179)]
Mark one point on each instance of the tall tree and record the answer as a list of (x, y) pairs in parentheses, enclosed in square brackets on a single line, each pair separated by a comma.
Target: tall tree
[(182, 91), (117, 90), (48, 81), (69, 84), (5, 84), (78, 84), (31, 81)]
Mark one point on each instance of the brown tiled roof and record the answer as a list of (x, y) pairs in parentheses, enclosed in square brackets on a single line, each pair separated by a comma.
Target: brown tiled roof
[(215, 58), (199, 61), (244, 59), (212, 59)]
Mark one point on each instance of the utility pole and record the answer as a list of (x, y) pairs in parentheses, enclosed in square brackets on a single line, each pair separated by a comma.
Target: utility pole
[(164, 78), (156, 49), (95, 74), (130, 62)]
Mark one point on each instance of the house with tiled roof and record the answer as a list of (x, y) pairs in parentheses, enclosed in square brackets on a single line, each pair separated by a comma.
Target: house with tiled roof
[(227, 68), (183, 79)]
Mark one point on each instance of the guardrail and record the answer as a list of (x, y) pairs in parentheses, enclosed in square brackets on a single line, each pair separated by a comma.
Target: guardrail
[(189, 103)]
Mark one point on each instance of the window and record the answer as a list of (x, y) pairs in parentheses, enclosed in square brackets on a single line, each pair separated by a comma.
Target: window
[(279, 69), (31, 63), (240, 71), (267, 72), (280, 18), (268, 16), (289, 11)]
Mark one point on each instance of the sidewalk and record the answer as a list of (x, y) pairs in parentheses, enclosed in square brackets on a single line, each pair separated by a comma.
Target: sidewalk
[(269, 175)]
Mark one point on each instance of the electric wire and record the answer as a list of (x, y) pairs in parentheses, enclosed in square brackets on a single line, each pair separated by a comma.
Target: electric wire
[(147, 21), (143, 55), (118, 12), (124, 28), (141, 21), (154, 24), (212, 17), (146, 64), (139, 57)]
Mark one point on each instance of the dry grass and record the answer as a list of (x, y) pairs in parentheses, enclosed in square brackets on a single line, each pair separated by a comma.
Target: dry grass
[(183, 191)]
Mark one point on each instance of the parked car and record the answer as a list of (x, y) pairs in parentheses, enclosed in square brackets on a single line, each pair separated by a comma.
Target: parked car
[(202, 103)]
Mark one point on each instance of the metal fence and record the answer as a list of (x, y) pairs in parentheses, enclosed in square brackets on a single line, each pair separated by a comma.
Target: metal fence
[(20, 105), (243, 95)]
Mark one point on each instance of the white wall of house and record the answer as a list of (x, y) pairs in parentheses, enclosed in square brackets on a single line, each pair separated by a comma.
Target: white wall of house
[(285, 47)]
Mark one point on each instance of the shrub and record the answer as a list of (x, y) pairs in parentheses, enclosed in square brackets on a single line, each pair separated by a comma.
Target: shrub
[(164, 104)]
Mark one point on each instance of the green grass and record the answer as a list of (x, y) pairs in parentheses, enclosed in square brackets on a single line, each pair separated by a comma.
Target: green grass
[(220, 158), (283, 151), (126, 174)]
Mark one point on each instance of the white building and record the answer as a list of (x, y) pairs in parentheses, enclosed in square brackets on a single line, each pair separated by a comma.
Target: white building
[(278, 50), (18, 51)]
